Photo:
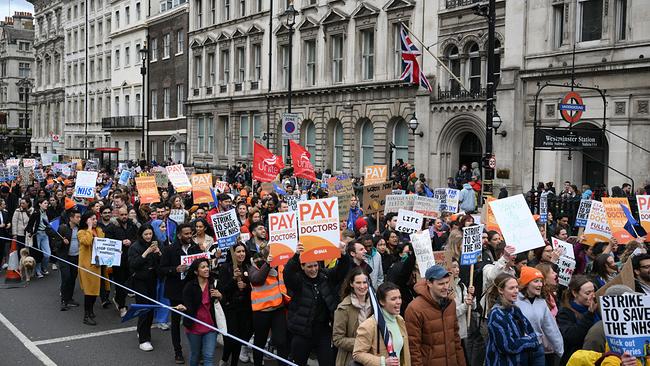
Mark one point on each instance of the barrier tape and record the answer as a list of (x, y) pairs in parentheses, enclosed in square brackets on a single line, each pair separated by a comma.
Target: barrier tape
[(270, 354)]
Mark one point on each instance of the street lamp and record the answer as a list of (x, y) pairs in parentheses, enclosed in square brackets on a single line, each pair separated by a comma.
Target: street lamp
[(413, 125), (26, 84), (144, 52), (290, 22), (496, 123)]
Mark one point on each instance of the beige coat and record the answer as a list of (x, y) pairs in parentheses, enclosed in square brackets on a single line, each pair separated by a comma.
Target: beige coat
[(344, 331), (365, 345), (89, 283)]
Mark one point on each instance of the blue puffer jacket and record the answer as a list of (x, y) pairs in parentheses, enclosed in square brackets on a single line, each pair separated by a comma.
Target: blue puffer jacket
[(510, 335)]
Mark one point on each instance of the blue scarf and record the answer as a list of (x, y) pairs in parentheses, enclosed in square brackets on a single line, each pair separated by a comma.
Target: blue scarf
[(583, 310)]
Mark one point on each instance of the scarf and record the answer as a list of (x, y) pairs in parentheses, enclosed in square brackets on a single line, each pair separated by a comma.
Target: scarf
[(364, 308), (583, 310)]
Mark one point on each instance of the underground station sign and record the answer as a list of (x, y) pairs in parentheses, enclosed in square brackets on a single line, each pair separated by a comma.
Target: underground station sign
[(562, 138), (572, 107)]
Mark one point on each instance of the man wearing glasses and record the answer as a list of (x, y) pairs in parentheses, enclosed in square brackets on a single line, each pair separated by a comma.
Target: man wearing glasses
[(641, 266)]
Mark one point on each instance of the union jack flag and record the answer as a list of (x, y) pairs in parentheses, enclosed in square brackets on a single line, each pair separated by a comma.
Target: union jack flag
[(410, 53)]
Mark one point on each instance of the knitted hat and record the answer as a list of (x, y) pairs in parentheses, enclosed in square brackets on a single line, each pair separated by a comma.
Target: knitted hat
[(69, 204), (529, 274), (359, 223)]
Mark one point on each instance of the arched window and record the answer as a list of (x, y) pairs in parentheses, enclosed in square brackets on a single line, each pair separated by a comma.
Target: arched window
[(497, 61), (401, 141), (474, 68), (453, 63), (367, 145), (337, 152), (310, 139)]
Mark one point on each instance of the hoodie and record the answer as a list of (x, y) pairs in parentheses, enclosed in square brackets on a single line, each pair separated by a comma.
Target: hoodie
[(374, 261), (543, 322), (467, 198)]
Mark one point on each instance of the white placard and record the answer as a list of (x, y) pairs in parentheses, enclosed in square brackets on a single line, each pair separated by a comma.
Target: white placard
[(395, 202), (187, 260), (409, 222), (625, 322), (568, 248), (472, 245), (421, 243), (106, 252), (178, 177), (429, 207), (85, 184), (516, 223), (566, 266)]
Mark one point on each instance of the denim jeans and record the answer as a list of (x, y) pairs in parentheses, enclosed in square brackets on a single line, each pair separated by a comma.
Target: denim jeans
[(202, 345), (534, 357), (68, 278), (44, 245)]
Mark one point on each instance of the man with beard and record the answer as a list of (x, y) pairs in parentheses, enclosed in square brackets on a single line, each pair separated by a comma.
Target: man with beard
[(641, 266), (124, 230), (258, 241)]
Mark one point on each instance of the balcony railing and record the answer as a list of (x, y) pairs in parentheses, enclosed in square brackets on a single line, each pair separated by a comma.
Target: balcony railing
[(461, 94), (122, 123), (450, 4)]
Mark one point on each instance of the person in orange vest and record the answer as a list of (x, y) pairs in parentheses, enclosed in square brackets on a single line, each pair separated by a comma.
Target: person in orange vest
[(268, 300)]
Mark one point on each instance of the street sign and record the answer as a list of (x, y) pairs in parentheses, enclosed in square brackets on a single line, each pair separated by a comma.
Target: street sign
[(572, 107), (564, 138), (290, 126), (492, 163)]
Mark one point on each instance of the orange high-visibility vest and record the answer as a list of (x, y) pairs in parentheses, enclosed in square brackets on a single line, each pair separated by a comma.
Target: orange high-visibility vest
[(271, 294)]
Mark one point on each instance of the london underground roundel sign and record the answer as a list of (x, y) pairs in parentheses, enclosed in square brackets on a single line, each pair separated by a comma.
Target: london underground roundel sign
[(572, 107)]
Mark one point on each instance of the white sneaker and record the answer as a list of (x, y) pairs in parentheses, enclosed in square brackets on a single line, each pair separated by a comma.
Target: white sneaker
[(224, 363), (5, 266), (243, 356), (146, 346), (122, 312), (163, 326), (54, 267)]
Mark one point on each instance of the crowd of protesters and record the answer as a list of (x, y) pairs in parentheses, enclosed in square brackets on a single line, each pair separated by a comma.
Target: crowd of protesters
[(369, 307)]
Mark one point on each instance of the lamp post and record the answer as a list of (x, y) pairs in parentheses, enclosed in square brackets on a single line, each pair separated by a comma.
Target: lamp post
[(290, 22), (413, 125), (26, 84), (496, 123), (144, 53)]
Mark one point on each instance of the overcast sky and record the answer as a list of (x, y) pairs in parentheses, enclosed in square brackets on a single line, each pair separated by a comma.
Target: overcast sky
[(8, 7)]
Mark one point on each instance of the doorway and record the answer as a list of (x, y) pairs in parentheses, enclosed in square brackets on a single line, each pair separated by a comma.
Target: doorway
[(594, 173), (470, 150)]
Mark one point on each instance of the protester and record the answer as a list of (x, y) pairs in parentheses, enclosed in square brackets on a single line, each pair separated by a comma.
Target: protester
[(201, 238), (89, 276), (577, 314), (641, 267), (68, 249), (463, 298), (20, 219), (39, 227), (126, 232)]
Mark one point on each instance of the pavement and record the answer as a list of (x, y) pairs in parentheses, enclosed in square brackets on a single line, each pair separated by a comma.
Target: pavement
[(33, 331)]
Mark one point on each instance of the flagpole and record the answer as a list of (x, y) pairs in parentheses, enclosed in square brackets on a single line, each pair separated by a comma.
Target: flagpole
[(434, 56)]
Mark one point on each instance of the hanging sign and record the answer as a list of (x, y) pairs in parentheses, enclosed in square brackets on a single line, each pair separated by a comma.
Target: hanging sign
[(572, 107)]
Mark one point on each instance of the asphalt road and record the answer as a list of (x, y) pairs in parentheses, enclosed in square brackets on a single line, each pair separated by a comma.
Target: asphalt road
[(33, 331)]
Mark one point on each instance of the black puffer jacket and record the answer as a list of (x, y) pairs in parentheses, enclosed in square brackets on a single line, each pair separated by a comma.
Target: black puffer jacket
[(303, 315)]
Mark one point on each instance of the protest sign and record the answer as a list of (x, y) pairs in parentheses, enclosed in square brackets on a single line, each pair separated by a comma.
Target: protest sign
[(398, 191), (643, 203), (4, 174), (441, 195), (568, 248), (177, 215), (452, 200), (318, 224), (341, 187), (374, 174), (487, 216), (616, 218), (162, 180), (220, 186), (421, 243), (147, 190), (226, 228), (395, 202), (106, 252), (178, 177), (201, 185), (583, 213), (292, 202), (186, 260), (543, 207), (283, 236), (29, 163), (125, 175), (517, 224), (565, 266), (26, 177), (13, 162), (625, 322), (48, 159), (85, 184), (440, 257), (596, 229), (92, 164), (374, 197), (409, 222), (427, 206), (38, 175), (472, 245)]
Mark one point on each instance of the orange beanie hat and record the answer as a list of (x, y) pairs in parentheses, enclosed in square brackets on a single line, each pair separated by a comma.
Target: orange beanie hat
[(529, 274)]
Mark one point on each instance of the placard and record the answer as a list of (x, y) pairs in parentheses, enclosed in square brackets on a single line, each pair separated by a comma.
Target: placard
[(625, 322), (427, 206), (374, 174), (543, 207), (398, 191), (568, 248), (47, 159), (566, 266), (220, 186), (583, 213), (318, 224), (616, 218), (643, 204), (201, 186), (374, 197), (487, 216), (177, 215), (441, 195), (472, 245), (226, 228), (106, 252), (596, 229), (186, 260), (283, 236), (341, 187), (29, 163), (13, 162), (125, 175), (147, 190), (178, 177), (38, 175), (421, 243), (517, 224), (292, 202), (395, 202), (452, 200), (162, 180), (85, 184), (409, 222)]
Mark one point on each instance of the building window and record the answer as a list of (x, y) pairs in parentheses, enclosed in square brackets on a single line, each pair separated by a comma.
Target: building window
[(225, 67), (368, 54), (366, 143), (242, 8), (117, 20), (226, 131), (212, 72), (127, 14), (100, 32), (180, 42), (337, 152), (474, 69), (127, 56), (210, 133), (497, 61), (154, 149), (165, 5), (166, 102), (558, 25), (310, 140), (179, 100), (197, 71), (621, 19), (257, 61), (244, 133), (337, 58), (284, 65), (116, 105), (213, 11), (154, 104), (200, 129), (127, 153), (226, 10), (453, 63), (401, 141), (138, 11), (154, 49), (138, 107), (24, 69), (23, 120), (591, 20), (198, 5), (241, 64), (117, 59), (310, 50), (127, 105), (166, 45)]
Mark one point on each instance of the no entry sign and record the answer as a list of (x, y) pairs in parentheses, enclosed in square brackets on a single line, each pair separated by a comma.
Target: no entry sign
[(572, 107)]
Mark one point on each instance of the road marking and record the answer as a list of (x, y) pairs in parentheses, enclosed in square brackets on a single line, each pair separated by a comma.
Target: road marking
[(31, 346), (86, 335)]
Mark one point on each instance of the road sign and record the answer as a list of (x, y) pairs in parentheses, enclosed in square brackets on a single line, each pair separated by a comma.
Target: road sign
[(55, 138), (572, 107), (564, 138), (492, 163), (290, 126)]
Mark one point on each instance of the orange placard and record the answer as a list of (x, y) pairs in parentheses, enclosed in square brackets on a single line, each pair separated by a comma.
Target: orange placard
[(616, 218), (487, 216), (201, 185), (147, 189)]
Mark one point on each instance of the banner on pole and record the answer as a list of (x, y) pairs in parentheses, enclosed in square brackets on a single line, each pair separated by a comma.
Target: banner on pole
[(374, 197), (374, 174), (226, 228), (472, 245), (201, 185)]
